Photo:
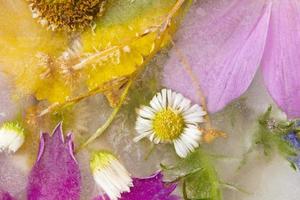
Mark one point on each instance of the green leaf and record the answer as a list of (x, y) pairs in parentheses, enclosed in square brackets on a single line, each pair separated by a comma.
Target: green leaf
[(269, 136), (199, 176)]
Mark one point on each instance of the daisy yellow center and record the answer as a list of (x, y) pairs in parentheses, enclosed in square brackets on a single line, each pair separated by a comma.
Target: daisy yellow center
[(168, 125)]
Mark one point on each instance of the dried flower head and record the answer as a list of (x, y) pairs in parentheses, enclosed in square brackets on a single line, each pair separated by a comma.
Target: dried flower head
[(66, 15)]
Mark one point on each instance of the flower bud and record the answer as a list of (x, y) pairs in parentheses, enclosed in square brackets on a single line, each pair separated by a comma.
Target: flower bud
[(11, 137), (110, 174)]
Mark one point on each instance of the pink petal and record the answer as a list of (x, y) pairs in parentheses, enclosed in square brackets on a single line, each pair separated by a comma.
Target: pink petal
[(56, 173), (281, 61), (223, 42)]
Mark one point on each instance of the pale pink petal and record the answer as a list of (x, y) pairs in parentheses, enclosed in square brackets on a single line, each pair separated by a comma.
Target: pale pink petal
[(223, 41), (281, 61)]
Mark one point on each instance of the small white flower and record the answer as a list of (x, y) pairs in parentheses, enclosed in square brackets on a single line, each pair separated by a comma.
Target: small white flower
[(11, 137), (171, 118), (110, 174)]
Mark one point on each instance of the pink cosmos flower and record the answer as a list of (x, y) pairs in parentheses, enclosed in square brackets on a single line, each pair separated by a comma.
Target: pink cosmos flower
[(226, 42)]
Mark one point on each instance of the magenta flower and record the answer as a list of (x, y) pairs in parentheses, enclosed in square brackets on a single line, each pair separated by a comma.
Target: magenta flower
[(226, 42), (113, 178), (5, 196), (55, 174), (150, 188)]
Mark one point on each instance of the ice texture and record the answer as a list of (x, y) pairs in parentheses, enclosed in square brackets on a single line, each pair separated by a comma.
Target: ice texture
[(8, 107), (264, 179)]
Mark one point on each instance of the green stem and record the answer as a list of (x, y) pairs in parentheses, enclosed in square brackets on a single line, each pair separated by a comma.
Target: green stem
[(194, 171), (184, 192), (103, 128), (233, 187), (161, 34), (149, 152), (216, 193)]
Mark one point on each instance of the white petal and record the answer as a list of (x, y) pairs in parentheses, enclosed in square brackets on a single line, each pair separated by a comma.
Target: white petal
[(195, 109), (193, 131), (190, 140), (170, 97), (142, 135), (164, 98), (181, 150), (188, 145), (146, 112), (10, 141), (143, 123), (156, 140), (155, 104), (193, 119), (152, 137), (16, 144), (113, 179), (177, 101), (185, 105), (6, 139), (194, 115)]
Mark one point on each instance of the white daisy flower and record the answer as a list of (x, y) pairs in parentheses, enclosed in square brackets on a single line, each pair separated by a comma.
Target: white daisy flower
[(110, 175), (171, 118), (11, 137)]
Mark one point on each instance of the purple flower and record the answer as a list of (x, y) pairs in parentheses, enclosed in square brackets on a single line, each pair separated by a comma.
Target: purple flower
[(5, 196), (226, 42), (55, 174), (150, 188), (112, 177), (293, 139)]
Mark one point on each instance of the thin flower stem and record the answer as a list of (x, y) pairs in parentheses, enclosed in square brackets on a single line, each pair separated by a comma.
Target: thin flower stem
[(184, 192), (158, 42), (67, 102), (183, 177), (77, 99), (187, 67), (233, 187), (160, 29), (87, 60), (102, 129), (149, 152)]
